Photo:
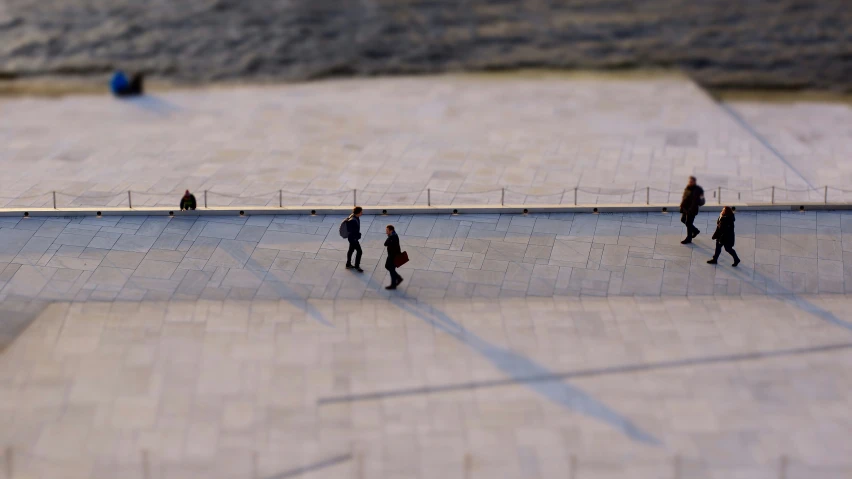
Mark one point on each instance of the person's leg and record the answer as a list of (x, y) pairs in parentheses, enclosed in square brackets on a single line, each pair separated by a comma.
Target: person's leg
[(695, 230), (689, 228), (392, 271), (349, 253), (733, 253), (716, 254), (690, 225), (358, 253)]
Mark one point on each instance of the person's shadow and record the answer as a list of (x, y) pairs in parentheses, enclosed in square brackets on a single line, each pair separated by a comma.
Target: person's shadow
[(153, 104), (522, 370), (773, 288)]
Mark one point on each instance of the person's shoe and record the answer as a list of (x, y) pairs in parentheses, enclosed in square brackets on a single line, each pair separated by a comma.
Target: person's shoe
[(686, 241), (400, 281), (697, 232), (349, 266), (712, 261), (358, 269), (393, 286), (736, 262)]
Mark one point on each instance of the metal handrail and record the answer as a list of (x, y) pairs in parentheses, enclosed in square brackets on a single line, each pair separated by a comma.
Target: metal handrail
[(455, 196)]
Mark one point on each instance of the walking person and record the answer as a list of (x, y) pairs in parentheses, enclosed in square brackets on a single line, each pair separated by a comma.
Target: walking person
[(724, 236), (693, 198), (353, 226), (394, 250)]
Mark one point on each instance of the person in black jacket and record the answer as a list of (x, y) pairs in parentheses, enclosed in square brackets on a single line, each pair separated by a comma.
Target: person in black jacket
[(187, 202), (724, 236), (393, 251), (693, 198), (353, 225)]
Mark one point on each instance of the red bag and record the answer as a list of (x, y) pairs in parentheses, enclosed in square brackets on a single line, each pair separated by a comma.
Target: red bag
[(400, 259)]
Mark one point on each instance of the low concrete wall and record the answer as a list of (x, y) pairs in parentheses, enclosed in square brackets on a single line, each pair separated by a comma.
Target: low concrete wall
[(409, 210)]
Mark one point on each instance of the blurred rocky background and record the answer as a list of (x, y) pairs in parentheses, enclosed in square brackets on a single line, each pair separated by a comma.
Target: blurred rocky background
[(784, 44)]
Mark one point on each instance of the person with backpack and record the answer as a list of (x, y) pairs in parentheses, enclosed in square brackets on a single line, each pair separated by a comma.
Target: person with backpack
[(724, 236), (350, 229), (693, 198)]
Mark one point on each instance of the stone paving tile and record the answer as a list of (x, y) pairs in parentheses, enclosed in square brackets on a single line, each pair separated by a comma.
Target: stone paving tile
[(135, 243)]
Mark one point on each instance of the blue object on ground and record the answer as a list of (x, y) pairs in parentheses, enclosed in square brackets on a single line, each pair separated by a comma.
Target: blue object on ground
[(119, 83)]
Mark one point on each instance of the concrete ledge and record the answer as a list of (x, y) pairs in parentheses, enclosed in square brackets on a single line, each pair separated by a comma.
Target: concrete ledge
[(409, 210)]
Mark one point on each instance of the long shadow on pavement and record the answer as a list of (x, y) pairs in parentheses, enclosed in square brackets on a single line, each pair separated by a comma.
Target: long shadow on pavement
[(153, 104), (783, 294), (518, 367), (286, 292)]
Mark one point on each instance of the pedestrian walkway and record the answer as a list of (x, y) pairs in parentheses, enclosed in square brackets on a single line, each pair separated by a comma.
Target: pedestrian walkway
[(474, 388), (452, 256), (518, 346)]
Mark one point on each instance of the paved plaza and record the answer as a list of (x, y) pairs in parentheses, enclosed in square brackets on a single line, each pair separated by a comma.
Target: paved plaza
[(228, 347), (586, 346), (477, 388), (301, 257), (462, 136)]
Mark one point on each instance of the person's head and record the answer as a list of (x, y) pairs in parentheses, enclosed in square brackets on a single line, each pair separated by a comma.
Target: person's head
[(357, 211), (389, 229), (186, 193), (691, 181), (727, 211)]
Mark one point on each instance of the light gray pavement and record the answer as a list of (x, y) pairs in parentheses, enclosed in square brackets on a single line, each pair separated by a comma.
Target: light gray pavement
[(229, 347), (407, 389), (462, 136), (813, 137), (300, 257)]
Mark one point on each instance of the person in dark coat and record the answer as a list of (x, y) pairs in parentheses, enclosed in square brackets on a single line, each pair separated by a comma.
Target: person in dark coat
[(187, 202), (724, 236), (693, 198), (353, 225), (394, 250)]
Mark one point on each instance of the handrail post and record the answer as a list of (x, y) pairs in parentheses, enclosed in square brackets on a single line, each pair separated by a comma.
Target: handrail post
[(146, 465), (502, 196), (428, 196), (575, 196), (647, 195), (354, 197), (720, 195), (205, 199), (54, 200), (773, 195), (10, 462), (129, 201), (280, 199), (826, 194)]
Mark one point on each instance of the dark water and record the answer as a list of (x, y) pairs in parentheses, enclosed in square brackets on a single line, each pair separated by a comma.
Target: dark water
[(722, 43)]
